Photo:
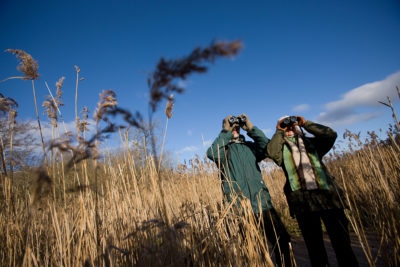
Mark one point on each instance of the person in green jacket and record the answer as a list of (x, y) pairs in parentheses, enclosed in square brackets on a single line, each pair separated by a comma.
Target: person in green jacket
[(311, 192), (241, 177)]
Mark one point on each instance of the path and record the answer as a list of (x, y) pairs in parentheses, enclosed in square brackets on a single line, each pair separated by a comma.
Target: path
[(301, 254)]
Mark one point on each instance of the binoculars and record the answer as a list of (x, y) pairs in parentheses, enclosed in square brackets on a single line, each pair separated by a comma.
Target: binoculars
[(237, 120), (289, 121)]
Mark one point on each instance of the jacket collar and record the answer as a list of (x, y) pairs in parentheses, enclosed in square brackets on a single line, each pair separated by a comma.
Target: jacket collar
[(240, 140)]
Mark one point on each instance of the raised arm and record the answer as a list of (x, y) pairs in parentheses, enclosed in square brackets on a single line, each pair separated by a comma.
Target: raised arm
[(324, 137), (218, 149), (274, 147), (260, 142)]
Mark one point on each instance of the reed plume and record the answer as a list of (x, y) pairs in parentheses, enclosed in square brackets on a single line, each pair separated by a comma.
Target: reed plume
[(161, 81), (50, 110), (169, 106), (105, 105), (8, 106), (27, 65), (83, 124), (77, 70), (52, 104)]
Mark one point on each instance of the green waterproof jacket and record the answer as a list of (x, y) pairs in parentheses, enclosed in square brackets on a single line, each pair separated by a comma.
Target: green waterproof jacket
[(304, 201), (238, 163)]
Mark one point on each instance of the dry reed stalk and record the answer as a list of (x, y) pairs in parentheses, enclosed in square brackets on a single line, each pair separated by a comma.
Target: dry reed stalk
[(356, 225), (9, 106), (3, 157), (106, 103), (40, 127), (76, 99), (372, 190), (28, 66), (168, 113), (52, 108)]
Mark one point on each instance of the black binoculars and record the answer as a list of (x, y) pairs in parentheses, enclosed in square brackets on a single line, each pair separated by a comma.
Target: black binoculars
[(288, 121), (237, 120)]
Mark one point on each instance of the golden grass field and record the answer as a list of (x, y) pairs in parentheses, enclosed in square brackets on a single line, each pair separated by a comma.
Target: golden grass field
[(39, 228)]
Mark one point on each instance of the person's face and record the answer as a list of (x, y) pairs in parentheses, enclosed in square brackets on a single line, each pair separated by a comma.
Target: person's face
[(236, 131), (290, 131)]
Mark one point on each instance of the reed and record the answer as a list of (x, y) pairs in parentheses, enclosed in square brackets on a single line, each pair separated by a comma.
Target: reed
[(29, 67)]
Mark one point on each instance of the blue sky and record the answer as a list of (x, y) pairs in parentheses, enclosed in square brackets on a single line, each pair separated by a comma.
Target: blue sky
[(329, 61)]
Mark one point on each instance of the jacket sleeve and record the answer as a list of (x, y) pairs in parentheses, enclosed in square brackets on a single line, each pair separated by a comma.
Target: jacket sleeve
[(324, 137), (217, 151), (274, 148), (260, 142)]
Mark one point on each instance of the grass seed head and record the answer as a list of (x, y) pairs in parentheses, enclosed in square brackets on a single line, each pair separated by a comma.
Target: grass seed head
[(161, 81), (8, 105), (77, 69), (27, 65), (170, 105), (50, 110), (59, 85), (84, 122), (106, 103)]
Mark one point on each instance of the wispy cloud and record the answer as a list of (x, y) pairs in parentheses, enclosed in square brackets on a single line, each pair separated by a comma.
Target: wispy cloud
[(350, 117), (301, 108), (207, 143), (189, 149), (266, 130), (63, 128), (189, 132), (343, 111), (49, 134), (183, 83)]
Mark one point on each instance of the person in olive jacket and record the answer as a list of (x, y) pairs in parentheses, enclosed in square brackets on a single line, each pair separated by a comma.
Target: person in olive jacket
[(311, 192), (241, 177)]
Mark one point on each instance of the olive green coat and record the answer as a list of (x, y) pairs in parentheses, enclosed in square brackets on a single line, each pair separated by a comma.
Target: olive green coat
[(239, 169), (303, 201)]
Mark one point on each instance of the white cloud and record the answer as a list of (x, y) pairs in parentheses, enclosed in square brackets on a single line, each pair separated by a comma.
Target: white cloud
[(343, 111), (183, 83), (301, 108), (347, 119), (63, 128), (189, 132), (49, 134), (207, 143), (266, 130), (188, 149)]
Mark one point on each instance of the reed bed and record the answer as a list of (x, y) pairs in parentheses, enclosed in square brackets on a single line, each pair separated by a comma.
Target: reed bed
[(202, 231), (46, 231)]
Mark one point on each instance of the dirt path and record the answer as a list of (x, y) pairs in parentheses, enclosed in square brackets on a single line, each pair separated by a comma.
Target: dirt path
[(301, 254)]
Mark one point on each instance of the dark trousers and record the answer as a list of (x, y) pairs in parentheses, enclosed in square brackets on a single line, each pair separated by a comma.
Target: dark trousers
[(336, 225), (277, 235)]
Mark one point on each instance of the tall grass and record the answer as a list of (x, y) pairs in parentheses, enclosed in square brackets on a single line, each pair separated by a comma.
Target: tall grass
[(133, 230), (202, 230), (371, 179)]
